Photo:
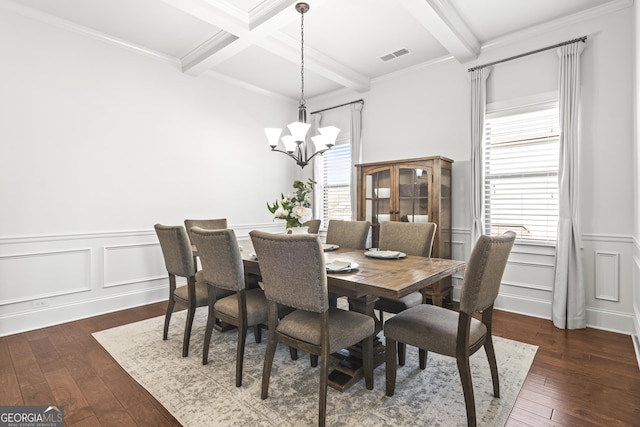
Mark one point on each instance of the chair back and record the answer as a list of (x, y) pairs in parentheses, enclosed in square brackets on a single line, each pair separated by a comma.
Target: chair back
[(412, 238), (176, 249), (484, 270), (207, 224), (293, 269), (314, 226), (348, 234), (220, 257)]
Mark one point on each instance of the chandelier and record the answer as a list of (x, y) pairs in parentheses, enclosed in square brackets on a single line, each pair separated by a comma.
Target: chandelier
[(296, 144)]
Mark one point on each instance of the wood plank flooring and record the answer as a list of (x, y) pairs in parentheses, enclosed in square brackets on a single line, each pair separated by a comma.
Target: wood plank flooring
[(578, 378)]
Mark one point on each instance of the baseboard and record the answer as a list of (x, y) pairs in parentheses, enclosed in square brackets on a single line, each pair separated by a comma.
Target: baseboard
[(54, 315), (636, 333), (606, 320)]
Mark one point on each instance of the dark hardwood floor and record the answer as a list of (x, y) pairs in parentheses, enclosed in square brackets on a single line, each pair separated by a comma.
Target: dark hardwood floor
[(578, 378)]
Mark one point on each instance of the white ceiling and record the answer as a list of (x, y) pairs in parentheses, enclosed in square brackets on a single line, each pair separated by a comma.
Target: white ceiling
[(256, 43)]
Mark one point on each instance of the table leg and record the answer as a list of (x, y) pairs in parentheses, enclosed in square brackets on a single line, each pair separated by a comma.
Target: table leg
[(350, 370)]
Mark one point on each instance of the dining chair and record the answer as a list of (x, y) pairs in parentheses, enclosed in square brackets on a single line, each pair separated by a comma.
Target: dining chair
[(456, 334), (294, 275), (178, 259), (348, 234), (412, 238), (207, 224), (222, 269), (314, 226)]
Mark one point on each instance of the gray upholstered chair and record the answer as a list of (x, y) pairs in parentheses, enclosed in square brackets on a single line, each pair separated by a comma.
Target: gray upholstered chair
[(207, 224), (178, 259), (222, 269), (294, 275), (348, 234), (412, 238), (451, 333), (314, 226)]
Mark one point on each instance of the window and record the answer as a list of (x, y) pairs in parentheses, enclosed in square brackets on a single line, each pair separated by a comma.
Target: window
[(521, 159), (334, 182)]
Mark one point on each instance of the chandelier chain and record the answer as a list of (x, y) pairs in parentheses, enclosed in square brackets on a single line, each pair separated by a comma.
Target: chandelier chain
[(302, 101)]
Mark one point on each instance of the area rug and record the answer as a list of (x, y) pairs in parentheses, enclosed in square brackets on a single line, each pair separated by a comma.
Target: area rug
[(205, 395)]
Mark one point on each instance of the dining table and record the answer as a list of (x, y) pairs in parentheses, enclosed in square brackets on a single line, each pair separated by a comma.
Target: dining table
[(370, 278)]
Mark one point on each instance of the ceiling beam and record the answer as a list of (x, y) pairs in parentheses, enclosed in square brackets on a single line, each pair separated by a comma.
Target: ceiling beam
[(260, 27), (442, 20)]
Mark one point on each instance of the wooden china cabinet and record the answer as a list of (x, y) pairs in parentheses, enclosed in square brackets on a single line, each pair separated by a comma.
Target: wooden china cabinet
[(410, 190)]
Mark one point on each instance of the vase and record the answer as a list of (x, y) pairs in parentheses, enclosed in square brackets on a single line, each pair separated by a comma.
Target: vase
[(297, 230)]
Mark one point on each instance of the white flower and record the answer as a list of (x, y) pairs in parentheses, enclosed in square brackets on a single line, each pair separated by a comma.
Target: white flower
[(303, 214), (281, 213)]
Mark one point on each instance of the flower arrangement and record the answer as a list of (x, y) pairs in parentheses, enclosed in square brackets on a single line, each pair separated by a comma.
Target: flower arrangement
[(294, 209)]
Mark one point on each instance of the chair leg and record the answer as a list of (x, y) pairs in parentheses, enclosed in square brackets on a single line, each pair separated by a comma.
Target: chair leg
[(313, 358), (422, 357), (257, 332), (242, 338), (167, 318), (402, 353), (493, 366), (367, 361), (269, 354), (294, 353), (191, 312), (211, 321), (324, 379), (467, 388), (390, 367)]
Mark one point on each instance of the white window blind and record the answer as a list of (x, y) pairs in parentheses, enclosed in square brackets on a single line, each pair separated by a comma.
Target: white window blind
[(335, 191), (521, 172)]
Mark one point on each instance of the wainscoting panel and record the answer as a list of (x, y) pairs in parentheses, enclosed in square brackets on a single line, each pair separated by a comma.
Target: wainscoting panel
[(37, 275), (127, 264), (608, 260), (607, 276), (53, 279)]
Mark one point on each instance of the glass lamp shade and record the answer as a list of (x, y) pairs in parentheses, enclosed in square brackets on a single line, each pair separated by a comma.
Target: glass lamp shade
[(298, 130), (319, 142), (289, 143), (273, 135), (329, 133)]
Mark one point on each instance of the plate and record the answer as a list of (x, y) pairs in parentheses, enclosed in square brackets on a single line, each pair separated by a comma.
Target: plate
[(326, 247), (375, 253), (338, 266)]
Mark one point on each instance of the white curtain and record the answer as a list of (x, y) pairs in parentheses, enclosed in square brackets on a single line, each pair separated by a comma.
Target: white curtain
[(478, 107), (568, 290), (356, 153)]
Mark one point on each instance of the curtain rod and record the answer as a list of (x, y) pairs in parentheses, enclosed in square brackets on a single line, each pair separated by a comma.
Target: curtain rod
[(359, 101), (580, 39)]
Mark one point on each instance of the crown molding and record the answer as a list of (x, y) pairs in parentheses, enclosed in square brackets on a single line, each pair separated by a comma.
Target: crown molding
[(64, 24), (541, 29)]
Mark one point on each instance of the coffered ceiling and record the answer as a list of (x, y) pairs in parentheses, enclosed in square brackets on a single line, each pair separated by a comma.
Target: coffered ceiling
[(348, 43)]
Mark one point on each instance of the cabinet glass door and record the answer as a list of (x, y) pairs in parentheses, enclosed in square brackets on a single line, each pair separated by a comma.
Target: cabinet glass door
[(413, 193), (378, 196)]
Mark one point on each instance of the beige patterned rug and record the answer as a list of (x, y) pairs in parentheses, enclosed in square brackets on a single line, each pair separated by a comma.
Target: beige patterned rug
[(200, 395)]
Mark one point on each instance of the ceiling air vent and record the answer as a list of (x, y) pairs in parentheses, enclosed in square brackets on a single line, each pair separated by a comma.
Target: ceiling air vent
[(396, 54)]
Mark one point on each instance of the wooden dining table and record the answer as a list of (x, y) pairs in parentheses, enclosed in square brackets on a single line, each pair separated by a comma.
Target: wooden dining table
[(372, 279)]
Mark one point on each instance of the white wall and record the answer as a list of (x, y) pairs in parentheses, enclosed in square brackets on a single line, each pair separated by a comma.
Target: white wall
[(97, 144), (636, 182), (426, 112)]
